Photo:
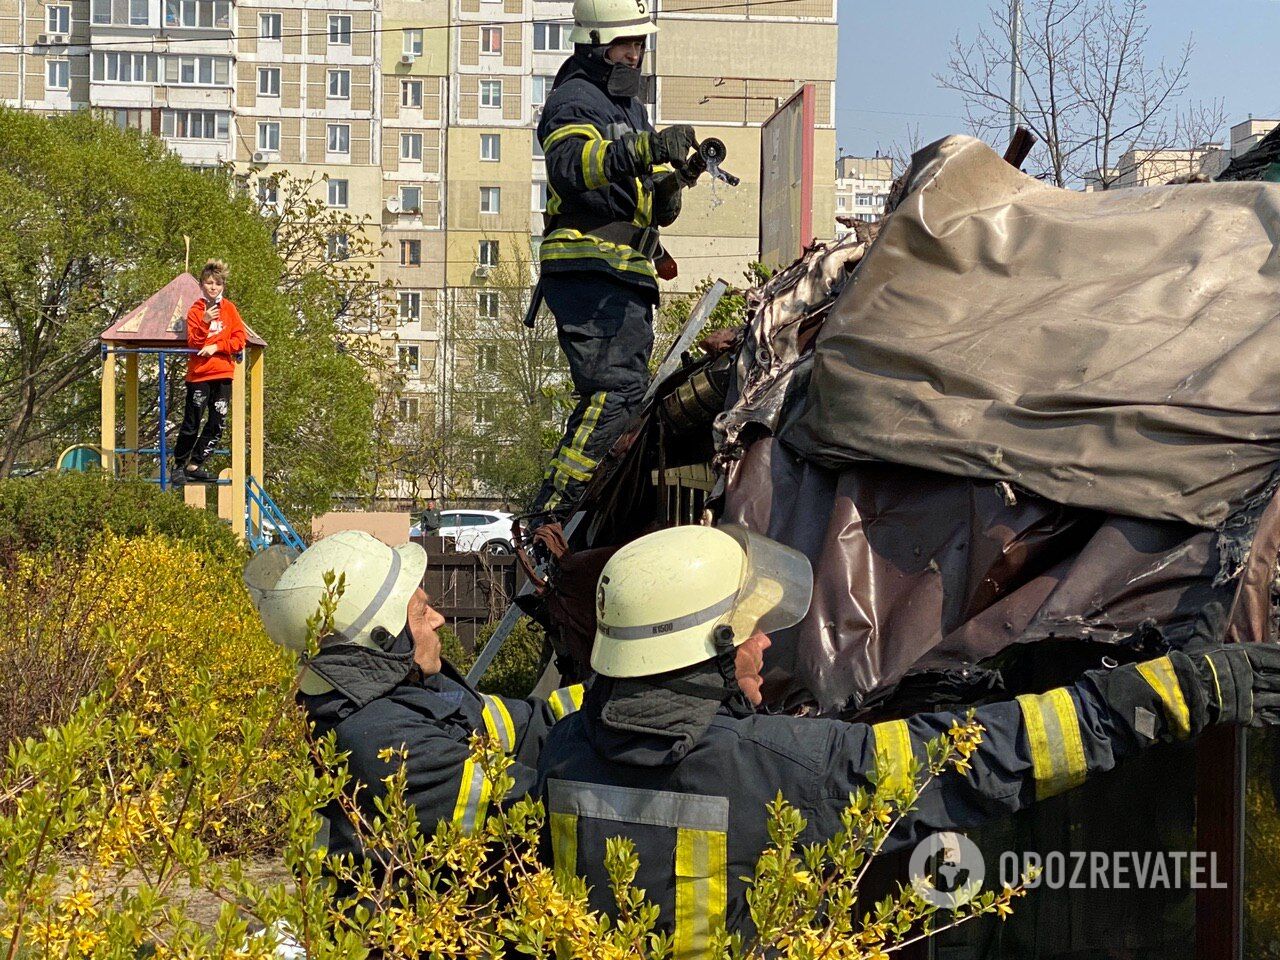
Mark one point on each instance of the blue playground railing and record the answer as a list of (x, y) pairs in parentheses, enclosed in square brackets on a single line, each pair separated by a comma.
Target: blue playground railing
[(272, 525)]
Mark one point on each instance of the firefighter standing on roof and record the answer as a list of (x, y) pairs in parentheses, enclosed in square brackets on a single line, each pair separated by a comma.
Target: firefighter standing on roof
[(600, 255)]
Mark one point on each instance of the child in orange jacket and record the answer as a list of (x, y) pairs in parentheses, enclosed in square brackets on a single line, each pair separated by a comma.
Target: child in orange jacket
[(216, 332)]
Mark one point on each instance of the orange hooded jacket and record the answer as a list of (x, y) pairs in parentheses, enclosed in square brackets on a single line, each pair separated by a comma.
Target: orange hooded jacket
[(227, 334)]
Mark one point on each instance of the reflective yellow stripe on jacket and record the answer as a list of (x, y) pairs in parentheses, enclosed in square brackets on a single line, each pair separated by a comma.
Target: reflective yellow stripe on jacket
[(893, 755), (565, 701), (1162, 678), (1053, 734), (498, 723), (701, 863), (569, 244), (473, 797)]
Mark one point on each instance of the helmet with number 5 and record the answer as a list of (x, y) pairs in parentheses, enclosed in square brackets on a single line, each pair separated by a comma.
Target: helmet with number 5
[(600, 22)]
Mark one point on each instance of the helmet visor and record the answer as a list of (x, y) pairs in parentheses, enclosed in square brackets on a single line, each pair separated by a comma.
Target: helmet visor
[(274, 605), (777, 585)]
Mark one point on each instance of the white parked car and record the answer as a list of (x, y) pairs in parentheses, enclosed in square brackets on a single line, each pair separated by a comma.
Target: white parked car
[(475, 531)]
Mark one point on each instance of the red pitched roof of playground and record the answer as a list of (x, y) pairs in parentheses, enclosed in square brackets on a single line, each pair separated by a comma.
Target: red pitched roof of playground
[(161, 320)]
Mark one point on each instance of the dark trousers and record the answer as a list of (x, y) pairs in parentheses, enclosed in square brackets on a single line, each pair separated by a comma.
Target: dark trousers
[(212, 396), (605, 328)]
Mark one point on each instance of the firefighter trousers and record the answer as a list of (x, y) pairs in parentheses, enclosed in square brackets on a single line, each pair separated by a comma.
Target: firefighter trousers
[(605, 328)]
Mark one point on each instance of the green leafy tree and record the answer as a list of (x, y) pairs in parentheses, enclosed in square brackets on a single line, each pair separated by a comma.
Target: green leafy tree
[(731, 311), (93, 220)]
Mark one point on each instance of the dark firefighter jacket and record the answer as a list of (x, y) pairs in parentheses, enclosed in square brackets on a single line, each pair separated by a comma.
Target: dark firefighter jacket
[(694, 802), (601, 188), (383, 702)]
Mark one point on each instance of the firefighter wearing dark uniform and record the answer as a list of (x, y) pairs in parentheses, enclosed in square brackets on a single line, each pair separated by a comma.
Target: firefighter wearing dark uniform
[(609, 192), (379, 685), (668, 750)]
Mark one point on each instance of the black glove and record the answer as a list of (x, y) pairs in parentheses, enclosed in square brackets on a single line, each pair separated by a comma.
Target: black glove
[(673, 144), (1243, 679), (666, 198)]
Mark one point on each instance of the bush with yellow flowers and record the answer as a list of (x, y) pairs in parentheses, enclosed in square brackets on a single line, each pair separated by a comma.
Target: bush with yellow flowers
[(108, 830)]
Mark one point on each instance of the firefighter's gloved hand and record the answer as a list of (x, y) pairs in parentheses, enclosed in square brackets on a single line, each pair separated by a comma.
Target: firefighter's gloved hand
[(673, 144), (1244, 680), (666, 198)]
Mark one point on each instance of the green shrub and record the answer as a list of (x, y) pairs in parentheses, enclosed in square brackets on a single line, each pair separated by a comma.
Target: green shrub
[(69, 511), (517, 666)]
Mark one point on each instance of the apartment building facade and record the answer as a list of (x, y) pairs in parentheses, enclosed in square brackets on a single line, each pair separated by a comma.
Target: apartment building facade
[(417, 118), (862, 188)]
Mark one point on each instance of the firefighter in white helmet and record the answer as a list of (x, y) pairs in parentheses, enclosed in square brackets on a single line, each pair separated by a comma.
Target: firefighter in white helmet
[(379, 682), (613, 182), (670, 751)]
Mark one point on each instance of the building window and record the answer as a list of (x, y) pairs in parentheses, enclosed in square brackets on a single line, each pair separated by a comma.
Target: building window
[(338, 193), (58, 19), (411, 93), (540, 195), (339, 84), (268, 193), (490, 93), (340, 30), (123, 68), (487, 356), (541, 87), (840, 203), (58, 74), (410, 305), (549, 355), (339, 138), (487, 305), (269, 136), (410, 253), (408, 409), (196, 13), (195, 124), (409, 358), (410, 199), (486, 410), (197, 71), (865, 199), (270, 26), (490, 146), (490, 39), (411, 146), (412, 43), (339, 246), (551, 37), (490, 199), (268, 81), (538, 152), (488, 256)]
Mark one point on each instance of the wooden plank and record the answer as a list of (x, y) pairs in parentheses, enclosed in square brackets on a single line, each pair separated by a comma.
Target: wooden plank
[(109, 412)]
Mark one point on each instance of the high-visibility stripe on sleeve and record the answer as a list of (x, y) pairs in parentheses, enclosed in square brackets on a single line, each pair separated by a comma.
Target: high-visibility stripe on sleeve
[(570, 130), (644, 205), (893, 754), (593, 176), (1162, 678), (498, 722), (701, 869), (473, 797), (1053, 734), (564, 842), (565, 701), (1217, 686)]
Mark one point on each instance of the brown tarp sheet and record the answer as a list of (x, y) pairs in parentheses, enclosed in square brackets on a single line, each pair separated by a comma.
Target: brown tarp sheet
[(1116, 351)]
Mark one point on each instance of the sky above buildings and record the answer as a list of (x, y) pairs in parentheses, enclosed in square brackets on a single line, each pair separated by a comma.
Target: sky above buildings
[(891, 49)]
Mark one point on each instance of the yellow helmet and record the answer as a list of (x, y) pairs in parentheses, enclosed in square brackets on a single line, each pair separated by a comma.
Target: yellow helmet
[(286, 587), (661, 599), (599, 22)]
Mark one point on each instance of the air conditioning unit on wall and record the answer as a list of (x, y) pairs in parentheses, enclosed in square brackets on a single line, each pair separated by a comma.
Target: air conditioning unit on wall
[(259, 157), (407, 59), (58, 38)]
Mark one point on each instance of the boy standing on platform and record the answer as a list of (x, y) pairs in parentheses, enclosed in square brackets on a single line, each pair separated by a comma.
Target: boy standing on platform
[(216, 332)]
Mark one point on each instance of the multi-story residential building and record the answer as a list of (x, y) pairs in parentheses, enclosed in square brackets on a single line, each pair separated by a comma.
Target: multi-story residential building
[(418, 118), (1148, 167), (862, 187), (725, 69)]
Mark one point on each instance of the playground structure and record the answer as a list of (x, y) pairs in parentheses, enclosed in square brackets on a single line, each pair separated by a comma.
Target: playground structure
[(157, 328)]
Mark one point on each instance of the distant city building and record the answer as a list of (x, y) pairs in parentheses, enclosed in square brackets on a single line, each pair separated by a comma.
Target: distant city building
[(1140, 168), (862, 187)]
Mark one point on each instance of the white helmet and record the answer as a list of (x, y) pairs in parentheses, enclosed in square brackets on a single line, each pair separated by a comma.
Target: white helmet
[(603, 21), (661, 599), (286, 587)]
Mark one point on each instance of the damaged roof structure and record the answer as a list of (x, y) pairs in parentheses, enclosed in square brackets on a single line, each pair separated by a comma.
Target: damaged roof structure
[(1019, 433)]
